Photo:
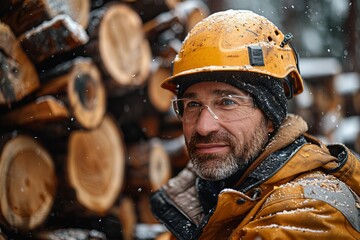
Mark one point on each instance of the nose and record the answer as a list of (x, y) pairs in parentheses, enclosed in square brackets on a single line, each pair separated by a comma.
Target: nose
[(207, 122)]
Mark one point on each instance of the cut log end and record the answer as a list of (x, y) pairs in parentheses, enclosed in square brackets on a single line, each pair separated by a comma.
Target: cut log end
[(159, 97), (28, 184), (124, 51), (87, 95), (148, 167), (160, 168), (96, 165)]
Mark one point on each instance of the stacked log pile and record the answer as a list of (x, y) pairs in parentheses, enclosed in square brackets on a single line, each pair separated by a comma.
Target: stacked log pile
[(86, 132)]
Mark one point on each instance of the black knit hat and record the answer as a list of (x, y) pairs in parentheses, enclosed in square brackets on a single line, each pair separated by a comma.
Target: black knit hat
[(267, 91)]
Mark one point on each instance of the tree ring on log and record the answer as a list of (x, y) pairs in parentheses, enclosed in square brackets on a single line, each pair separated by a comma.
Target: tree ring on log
[(124, 50), (28, 185), (87, 94), (96, 164)]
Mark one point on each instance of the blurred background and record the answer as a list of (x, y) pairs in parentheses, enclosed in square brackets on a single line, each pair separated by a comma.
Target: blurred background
[(87, 134), (326, 36)]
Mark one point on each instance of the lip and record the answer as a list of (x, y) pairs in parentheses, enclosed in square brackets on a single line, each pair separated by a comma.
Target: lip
[(207, 148)]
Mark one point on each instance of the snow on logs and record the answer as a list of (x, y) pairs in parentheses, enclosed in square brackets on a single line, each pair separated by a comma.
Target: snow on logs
[(80, 100)]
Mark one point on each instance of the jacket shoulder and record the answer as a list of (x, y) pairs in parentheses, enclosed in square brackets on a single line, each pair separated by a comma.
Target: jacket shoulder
[(317, 189)]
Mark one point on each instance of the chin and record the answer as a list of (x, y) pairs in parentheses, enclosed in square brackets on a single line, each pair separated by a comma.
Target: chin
[(214, 172)]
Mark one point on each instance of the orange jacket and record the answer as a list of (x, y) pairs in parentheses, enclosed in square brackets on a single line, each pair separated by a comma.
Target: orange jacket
[(308, 191)]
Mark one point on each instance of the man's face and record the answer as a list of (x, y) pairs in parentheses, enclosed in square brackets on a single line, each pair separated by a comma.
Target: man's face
[(219, 148)]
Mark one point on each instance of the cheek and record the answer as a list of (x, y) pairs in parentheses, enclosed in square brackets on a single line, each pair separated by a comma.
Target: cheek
[(243, 129), (188, 130)]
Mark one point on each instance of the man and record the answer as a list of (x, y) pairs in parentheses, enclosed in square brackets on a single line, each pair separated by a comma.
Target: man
[(254, 172)]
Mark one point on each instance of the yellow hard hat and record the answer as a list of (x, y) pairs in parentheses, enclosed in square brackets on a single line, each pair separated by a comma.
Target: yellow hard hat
[(237, 40)]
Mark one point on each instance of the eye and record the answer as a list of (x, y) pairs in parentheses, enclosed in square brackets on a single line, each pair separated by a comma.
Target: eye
[(191, 104), (226, 102)]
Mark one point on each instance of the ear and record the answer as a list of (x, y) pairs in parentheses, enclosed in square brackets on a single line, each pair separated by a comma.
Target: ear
[(270, 126)]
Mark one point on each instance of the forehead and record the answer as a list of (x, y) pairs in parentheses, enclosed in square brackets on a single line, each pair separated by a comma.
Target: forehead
[(211, 89)]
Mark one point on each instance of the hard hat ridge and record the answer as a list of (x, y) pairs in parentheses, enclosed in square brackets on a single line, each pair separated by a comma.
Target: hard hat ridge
[(236, 40)]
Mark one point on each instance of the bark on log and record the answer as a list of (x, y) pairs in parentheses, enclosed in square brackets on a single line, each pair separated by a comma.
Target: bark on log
[(177, 151), (186, 13), (135, 114), (143, 106), (18, 77), (80, 87), (125, 211), (6, 6), (95, 166), (44, 110), (357, 144), (148, 167), (144, 210), (54, 37), (28, 184), (351, 103), (3, 236), (171, 126), (151, 8), (22, 16), (118, 46), (166, 31)]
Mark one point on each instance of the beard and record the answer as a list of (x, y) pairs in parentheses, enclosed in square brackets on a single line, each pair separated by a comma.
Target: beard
[(216, 167)]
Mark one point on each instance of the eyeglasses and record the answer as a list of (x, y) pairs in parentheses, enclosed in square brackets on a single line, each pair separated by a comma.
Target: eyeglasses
[(223, 108)]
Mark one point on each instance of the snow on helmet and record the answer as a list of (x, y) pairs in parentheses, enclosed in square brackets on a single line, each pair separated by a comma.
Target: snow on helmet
[(237, 40)]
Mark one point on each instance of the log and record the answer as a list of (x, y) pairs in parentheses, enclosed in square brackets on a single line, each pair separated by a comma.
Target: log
[(143, 106), (357, 144), (177, 151), (148, 167), (95, 167), (22, 16), (159, 97), (18, 76), (144, 210), (80, 87), (6, 6), (164, 236), (171, 126), (44, 110), (72, 233), (125, 211), (135, 114), (186, 13), (151, 8), (132, 106), (119, 46), (28, 183), (166, 31), (54, 37)]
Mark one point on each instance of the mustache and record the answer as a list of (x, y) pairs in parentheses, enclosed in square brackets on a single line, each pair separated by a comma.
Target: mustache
[(210, 138)]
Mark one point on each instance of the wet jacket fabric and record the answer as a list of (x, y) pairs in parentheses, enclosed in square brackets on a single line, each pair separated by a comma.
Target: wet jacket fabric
[(297, 188)]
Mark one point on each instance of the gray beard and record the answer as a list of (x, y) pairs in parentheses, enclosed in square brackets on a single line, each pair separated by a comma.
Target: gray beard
[(216, 167)]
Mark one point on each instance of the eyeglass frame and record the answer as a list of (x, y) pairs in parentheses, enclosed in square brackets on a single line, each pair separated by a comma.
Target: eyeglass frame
[(179, 115)]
